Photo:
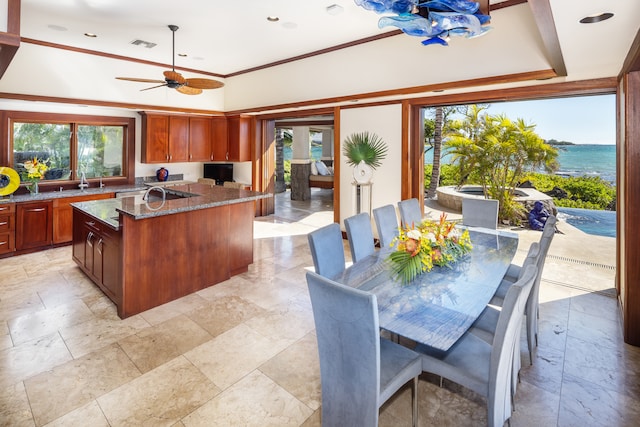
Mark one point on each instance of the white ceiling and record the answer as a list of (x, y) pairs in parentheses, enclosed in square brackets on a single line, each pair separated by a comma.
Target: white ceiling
[(224, 37)]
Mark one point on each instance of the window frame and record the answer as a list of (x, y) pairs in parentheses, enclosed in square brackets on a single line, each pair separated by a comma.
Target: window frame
[(74, 120)]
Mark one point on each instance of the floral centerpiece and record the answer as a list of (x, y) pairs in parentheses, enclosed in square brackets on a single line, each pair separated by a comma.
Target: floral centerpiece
[(35, 170), (429, 243)]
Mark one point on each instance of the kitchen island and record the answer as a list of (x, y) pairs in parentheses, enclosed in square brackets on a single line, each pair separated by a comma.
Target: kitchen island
[(144, 253)]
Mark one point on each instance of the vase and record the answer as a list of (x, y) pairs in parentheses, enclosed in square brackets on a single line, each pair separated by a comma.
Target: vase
[(162, 174), (362, 173), (33, 188)]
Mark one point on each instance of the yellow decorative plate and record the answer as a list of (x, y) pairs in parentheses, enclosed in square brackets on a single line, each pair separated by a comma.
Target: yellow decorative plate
[(9, 180)]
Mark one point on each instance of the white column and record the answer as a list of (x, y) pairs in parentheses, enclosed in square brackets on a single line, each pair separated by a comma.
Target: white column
[(300, 145), (327, 144)]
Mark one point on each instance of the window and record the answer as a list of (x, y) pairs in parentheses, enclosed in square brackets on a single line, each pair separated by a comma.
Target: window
[(72, 145)]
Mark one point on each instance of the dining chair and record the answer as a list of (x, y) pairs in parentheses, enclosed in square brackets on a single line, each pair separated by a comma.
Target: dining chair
[(360, 236), (410, 212), (359, 370), (533, 305), (480, 213), (327, 250), (386, 223), (485, 368)]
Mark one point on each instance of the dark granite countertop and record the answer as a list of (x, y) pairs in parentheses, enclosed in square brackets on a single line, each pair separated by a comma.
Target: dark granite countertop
[(199, 196)]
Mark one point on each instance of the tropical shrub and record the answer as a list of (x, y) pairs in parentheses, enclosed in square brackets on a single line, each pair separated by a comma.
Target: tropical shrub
[(586, 192)]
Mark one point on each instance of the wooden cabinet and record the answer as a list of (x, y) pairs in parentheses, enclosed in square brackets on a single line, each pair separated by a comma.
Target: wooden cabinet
[(176, 138), (33, 224), (239, 141), (7, 228), (96, 249), (199, 139), (63, 215), (155, 138), (219, 139)]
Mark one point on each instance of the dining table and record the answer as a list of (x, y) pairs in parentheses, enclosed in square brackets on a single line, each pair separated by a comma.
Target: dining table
[(437, 307)]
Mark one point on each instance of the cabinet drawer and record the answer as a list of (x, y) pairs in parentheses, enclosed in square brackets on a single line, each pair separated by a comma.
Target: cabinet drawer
[(7, 242), (6, 208), (6, 223)]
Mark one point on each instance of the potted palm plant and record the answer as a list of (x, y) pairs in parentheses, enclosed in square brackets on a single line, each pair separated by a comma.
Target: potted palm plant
[(364, 151)]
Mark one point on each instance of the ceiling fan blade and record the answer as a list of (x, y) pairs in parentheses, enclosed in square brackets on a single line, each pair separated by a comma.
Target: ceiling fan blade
[(153, 87), (133, 79), (189, 90), (175, 76), (204, 83)]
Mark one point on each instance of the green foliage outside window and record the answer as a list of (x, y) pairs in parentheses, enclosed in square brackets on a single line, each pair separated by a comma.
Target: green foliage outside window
[(99, 149)]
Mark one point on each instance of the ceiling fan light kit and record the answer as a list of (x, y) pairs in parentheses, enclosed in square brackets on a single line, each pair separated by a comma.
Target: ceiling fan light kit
[(175, 80)]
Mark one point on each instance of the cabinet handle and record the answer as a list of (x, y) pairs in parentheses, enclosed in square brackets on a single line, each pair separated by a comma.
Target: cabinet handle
[(170, 157), (4, 223), (90, 223), (35, 209), (100, 243), (3, 243), (190, 156), (4, 208), (227, 156), (89, 237)]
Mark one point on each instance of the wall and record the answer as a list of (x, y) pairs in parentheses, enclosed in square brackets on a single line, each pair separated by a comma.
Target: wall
[(386, 122)]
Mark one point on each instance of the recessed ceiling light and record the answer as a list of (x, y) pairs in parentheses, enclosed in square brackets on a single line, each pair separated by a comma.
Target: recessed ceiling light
[(335, 9), (273, 18), (599, 17), (184, 55), (57, 27), (91, 35)]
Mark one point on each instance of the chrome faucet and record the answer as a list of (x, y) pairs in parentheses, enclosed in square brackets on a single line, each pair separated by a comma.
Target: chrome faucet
[(155, 187), (101, 184), (83, 181)]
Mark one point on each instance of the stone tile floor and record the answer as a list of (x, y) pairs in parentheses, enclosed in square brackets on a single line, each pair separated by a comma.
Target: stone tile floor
[(243, 352)]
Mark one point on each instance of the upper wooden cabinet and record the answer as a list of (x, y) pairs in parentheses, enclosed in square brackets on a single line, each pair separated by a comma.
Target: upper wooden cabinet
[(239, 142), (175, 138), (155, 138), (200, 141), (219, 139)]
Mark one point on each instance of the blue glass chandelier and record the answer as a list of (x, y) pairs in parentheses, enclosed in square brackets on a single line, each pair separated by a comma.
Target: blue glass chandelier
[(436, 20)]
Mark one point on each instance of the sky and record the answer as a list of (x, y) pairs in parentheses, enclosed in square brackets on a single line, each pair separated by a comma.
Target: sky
[(581, 120)]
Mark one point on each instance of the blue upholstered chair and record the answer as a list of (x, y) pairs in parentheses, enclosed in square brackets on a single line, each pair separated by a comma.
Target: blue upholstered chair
[(360, 236), (411, 212), (327, 250), (386, 223), (482, 367), (532, 311), (480, 213), (359, 371)]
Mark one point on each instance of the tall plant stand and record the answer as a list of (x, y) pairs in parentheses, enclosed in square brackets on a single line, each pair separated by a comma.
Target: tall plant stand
[(361, 197)]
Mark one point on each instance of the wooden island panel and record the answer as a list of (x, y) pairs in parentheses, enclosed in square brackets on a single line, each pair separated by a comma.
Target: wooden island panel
[(170, 256)]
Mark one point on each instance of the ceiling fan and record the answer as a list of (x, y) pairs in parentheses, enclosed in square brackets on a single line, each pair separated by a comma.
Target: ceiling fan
[(174, 80)]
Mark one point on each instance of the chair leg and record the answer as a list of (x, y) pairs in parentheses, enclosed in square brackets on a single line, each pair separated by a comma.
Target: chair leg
[(414, 400)]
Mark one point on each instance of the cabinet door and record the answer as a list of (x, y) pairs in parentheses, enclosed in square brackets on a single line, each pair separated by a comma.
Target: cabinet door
[(239, 138), (33, 225), (199, 139), (178, 139), (80, 232), (155, 138), (219, 139), (108, 251), (63, 215)]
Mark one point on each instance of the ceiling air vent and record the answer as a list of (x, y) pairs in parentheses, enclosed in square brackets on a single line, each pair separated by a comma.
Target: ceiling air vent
[(148, 45)]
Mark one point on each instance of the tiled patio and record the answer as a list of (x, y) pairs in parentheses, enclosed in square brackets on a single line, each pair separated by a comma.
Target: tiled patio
[(243, 352)]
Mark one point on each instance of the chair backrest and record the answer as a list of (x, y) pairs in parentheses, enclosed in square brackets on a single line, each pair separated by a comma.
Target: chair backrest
[(327, 250), (348, 337), (411, 212), (480, 213), (386, 223), (207, 181), (360, 236), (504, 344)]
